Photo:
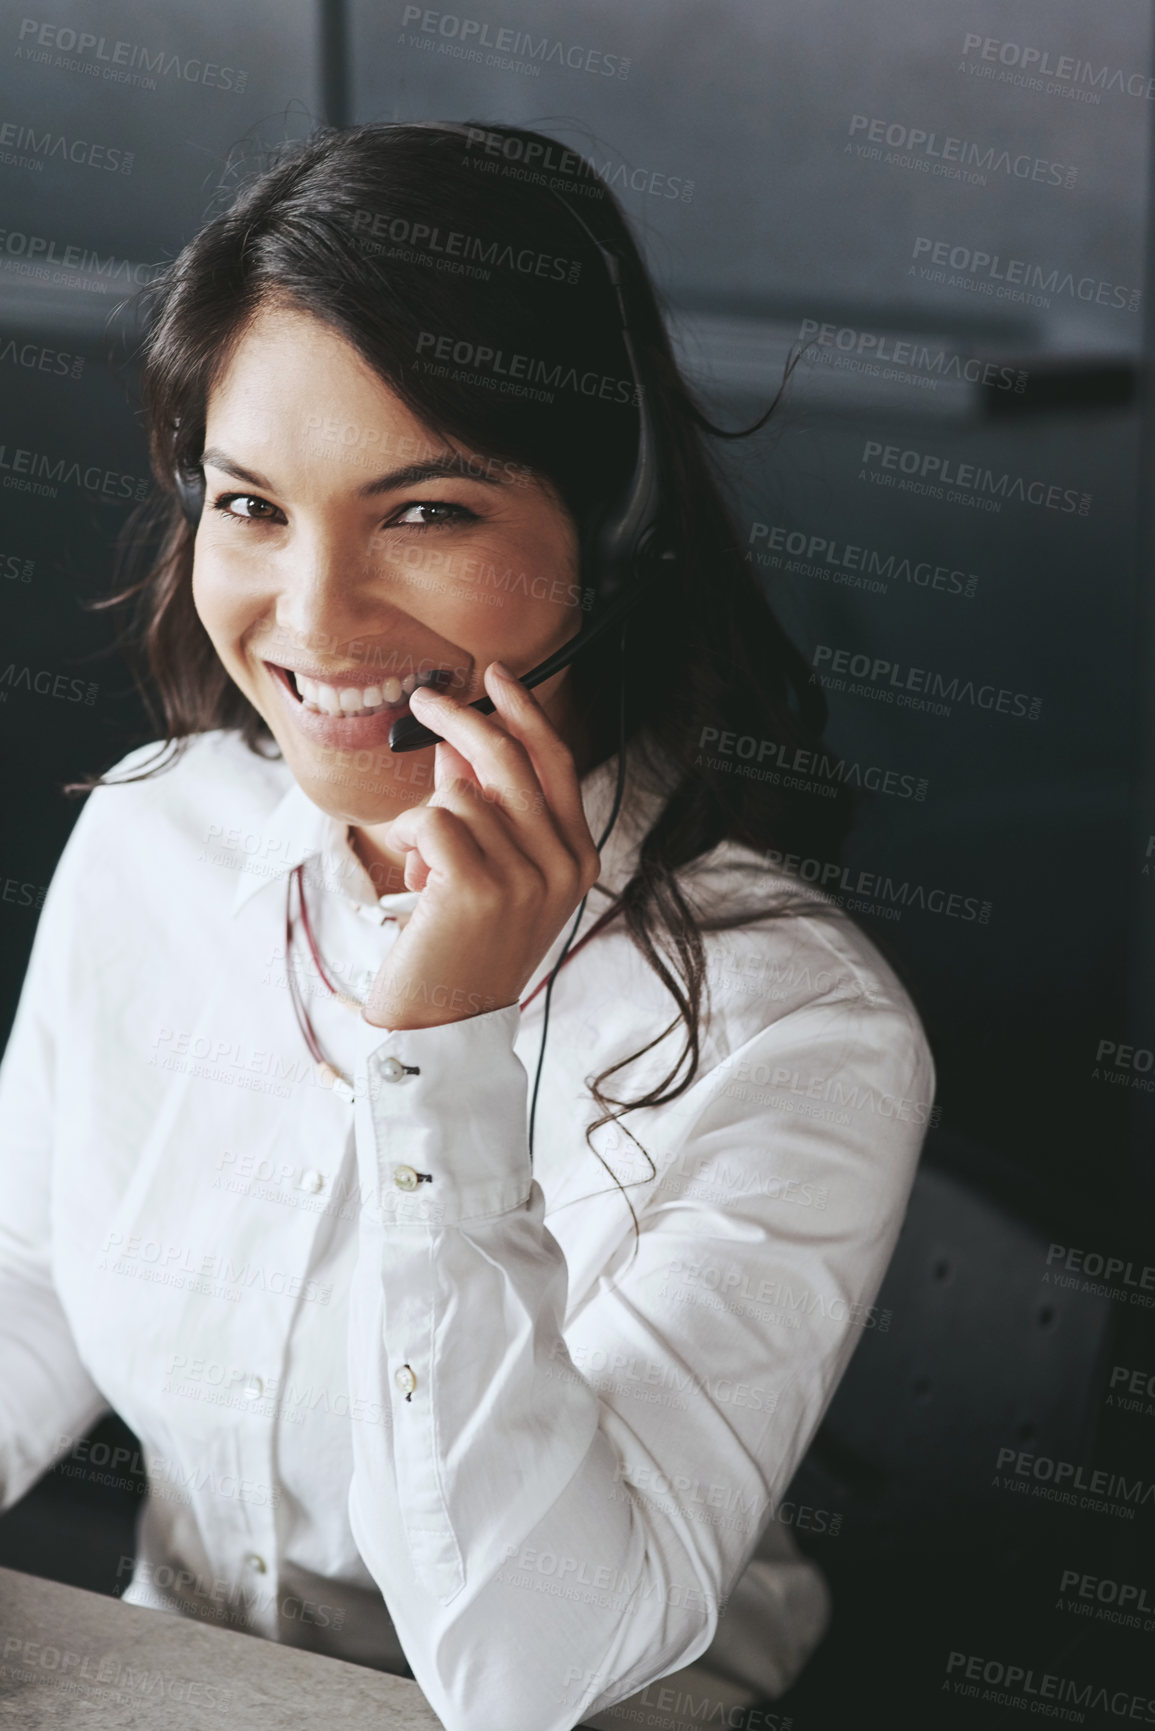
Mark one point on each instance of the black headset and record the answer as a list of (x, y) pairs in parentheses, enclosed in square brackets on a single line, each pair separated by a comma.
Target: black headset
[(190, 490), (621, 553)]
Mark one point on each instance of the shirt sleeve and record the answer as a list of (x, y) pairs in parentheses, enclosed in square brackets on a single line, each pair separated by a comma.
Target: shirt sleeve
[(48, 1397), (556, 1518)]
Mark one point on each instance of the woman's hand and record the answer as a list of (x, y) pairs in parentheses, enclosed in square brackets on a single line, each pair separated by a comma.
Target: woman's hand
[(501, 853)]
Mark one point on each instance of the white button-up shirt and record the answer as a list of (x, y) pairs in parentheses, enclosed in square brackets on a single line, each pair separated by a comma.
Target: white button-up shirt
[(469, 1420)]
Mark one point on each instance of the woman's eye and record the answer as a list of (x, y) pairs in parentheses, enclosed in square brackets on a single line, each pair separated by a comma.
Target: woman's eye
[(420, 514), (254, 509), (431, 514)]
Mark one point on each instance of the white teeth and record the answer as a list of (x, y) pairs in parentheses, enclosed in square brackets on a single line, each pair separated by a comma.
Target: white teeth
[(349, 700)]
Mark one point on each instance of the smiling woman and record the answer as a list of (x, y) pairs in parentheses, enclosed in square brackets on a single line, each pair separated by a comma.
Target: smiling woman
[(515, 1400)]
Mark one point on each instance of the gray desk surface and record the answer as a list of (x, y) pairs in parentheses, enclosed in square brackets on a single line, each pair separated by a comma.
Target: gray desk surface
[(69, 1658)]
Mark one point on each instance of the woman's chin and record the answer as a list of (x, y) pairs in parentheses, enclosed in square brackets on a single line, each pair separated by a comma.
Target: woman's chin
[(364, 794)]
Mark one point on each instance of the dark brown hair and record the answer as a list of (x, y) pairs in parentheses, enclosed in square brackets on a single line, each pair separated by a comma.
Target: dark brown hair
[(339, 226)]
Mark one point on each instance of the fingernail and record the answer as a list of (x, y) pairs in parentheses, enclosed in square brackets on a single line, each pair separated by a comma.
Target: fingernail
[(502, 671)]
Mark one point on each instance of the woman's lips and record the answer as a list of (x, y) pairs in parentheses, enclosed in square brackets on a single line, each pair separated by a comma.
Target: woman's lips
[(343, 732)]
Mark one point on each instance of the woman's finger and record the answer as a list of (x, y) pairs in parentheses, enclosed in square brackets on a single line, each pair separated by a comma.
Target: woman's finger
[(449, 765), (505, 769), (490, 830), (552, 760), (435, 841)]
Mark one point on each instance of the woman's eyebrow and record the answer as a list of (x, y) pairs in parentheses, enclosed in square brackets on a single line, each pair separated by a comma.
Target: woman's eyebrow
[(221, 460), (438, 469)]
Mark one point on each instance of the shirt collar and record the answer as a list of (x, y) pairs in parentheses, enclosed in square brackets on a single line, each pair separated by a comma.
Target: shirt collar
[(297, 830)]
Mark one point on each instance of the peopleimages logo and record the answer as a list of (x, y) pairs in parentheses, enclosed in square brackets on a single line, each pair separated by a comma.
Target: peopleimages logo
[(1096, 1481), (654, 182), (884, 678), (937, 477), (24, 895), (474, 33), (46, 684), (953, 158), (451, 245), (876, 892), (43, 146), (119, 62), (16, 569), (808, 770), (36, 357), (1012, 1685), (1103, 1600), (1031, 66), (21, 252), (924, 366), (1043, 280), (844, 562), (1140, 1386), (511, 368), (1092, 1271), (37, 472), (1117, 1063)]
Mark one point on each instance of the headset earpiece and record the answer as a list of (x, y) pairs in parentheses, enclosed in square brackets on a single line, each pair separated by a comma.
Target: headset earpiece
[(190, 490)]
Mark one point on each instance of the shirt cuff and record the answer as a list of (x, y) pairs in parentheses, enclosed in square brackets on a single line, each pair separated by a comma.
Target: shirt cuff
[(460, 1120)]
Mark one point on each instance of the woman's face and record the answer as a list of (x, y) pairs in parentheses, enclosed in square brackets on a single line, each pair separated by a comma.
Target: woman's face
[(345, 551)]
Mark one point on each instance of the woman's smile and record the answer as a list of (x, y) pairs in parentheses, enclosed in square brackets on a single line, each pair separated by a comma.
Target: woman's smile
[(341, 709)]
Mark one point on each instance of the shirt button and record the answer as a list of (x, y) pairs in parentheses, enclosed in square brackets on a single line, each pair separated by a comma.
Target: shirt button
[(405, 1379), (256, 1564), (312, 1181), (392, 1069), (254, 1388), (405, 1178)]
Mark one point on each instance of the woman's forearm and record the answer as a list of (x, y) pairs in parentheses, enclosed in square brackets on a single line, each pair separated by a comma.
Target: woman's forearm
[(524, 1507)]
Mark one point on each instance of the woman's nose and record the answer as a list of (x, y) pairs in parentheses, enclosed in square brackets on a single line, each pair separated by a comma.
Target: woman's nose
[(326, 596)]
